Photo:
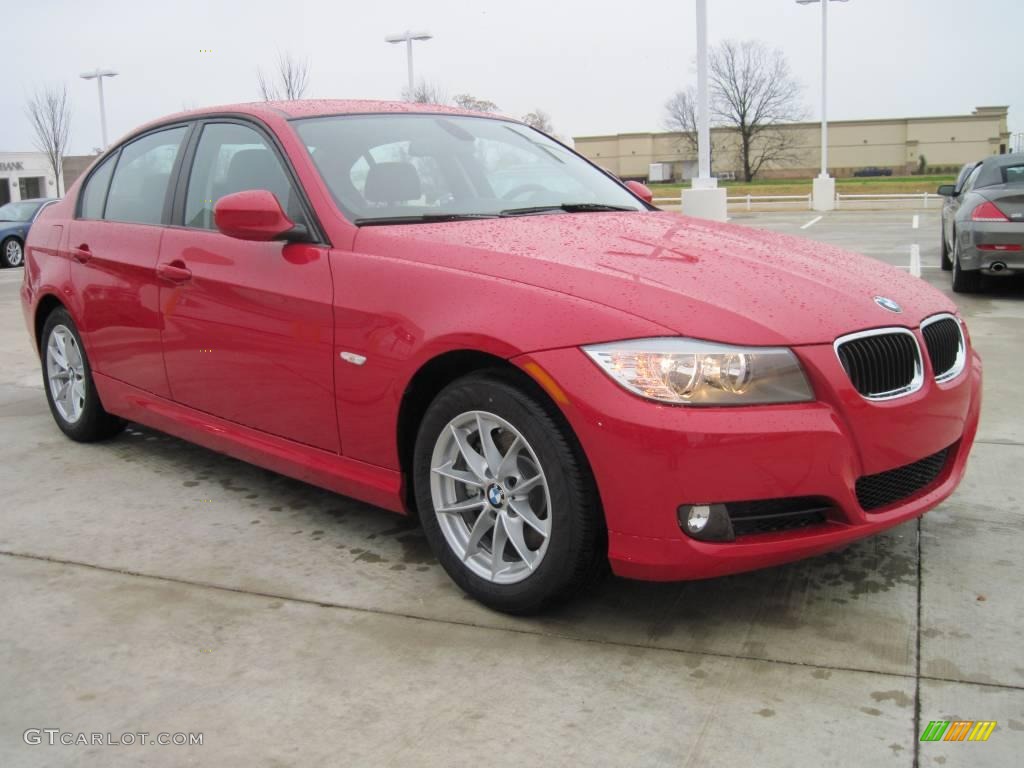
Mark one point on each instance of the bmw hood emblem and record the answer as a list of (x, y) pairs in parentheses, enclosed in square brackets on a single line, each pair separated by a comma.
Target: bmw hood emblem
[(888, 304)]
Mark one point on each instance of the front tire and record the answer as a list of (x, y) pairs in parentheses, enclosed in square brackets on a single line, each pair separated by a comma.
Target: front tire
[(12, 253), (964, 281), (505, 497), (67, 380), (945, 262)]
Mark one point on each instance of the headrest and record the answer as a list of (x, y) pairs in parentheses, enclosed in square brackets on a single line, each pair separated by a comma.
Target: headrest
[(395, 182), (255, 169)]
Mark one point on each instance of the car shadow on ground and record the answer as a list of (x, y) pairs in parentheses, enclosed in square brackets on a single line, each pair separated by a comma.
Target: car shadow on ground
[(854, 608)]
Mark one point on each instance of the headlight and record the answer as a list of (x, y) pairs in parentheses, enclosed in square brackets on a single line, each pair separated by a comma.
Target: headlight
[(692, 372)]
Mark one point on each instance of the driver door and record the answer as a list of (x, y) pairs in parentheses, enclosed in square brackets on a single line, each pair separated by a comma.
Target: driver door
[(247, 326)]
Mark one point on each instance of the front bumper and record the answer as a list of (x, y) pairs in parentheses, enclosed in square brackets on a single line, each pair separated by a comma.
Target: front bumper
[(648, 459)]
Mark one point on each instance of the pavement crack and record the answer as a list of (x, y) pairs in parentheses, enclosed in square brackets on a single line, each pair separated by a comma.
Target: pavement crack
[(1014, 443), (917, 661), (477, 625)]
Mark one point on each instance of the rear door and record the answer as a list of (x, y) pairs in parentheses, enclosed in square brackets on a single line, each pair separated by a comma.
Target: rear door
[(113, 242), (248, 326)]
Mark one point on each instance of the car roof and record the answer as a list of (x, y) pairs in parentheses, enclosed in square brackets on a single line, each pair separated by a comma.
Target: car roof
[(1000, 161), (991, 168), (301, 108)]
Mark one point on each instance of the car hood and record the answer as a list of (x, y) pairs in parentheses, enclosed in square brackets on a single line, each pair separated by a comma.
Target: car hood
[(692, 276)]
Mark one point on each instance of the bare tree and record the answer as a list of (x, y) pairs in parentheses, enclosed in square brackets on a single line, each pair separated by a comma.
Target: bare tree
[(426, 92), (288, 83), (540, 120), (49, 111), (753, 91), (466, 101), (681, 116)]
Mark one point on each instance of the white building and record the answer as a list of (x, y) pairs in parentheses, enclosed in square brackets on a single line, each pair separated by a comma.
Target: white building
[(24, 175)]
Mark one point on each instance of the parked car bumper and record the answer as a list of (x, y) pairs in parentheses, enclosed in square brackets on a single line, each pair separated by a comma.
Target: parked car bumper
[(650, 459), (996, 248)]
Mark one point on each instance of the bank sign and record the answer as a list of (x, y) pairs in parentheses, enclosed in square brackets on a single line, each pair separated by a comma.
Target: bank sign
[(18, 166)]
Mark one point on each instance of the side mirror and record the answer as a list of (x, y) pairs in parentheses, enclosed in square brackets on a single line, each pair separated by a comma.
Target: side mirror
[(255, 214), (640, 190), (947, 190)]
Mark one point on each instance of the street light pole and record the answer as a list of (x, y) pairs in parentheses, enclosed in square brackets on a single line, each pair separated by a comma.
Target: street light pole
[(703, 118), (704, 199), (407, 37), (824, 91), (824, 185), (98, 75)]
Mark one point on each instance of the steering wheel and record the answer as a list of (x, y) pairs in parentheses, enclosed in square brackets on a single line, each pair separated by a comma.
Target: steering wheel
[(523, 189)]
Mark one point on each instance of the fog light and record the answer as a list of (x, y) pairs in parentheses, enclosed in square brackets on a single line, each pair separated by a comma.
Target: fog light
[(698, 518), (706, 522)]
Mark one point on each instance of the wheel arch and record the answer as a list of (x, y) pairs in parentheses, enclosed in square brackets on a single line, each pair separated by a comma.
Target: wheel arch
[(440, 371), (44, 308)]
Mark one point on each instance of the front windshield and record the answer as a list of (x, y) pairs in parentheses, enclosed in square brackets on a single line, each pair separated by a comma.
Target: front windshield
[(18, 211), (423, 167)]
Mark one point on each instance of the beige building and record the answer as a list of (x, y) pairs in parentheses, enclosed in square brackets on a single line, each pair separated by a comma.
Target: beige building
[(74, 166), (946, 143)]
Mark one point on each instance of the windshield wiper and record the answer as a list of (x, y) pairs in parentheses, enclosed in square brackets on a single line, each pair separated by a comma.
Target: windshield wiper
[(567, 208), (421, 218)]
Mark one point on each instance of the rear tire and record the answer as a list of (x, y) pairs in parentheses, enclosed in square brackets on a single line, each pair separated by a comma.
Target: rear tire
[(964, 281), (551, 536), (68, 383)]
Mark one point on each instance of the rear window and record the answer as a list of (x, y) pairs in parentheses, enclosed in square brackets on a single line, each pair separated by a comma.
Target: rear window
[(1013, 174)]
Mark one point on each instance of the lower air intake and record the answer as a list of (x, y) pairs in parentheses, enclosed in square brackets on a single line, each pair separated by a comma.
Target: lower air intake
[(895, 485)]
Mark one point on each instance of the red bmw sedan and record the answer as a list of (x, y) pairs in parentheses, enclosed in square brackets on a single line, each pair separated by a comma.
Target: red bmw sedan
[(452, 315)]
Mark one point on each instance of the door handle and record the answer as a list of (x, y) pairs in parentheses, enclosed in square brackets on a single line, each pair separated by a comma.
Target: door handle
[(175, 271), (81, 254)]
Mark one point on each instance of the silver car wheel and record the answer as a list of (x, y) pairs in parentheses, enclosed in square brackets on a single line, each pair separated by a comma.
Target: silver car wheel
[(490, 496), (13, 253), (65, 373)]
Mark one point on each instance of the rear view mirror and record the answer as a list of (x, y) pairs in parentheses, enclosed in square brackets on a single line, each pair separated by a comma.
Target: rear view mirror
[(947, 190), (255, 214), (640, 190)]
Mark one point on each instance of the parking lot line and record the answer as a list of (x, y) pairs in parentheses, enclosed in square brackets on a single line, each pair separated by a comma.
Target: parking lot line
[(915, 260), (812, 222)]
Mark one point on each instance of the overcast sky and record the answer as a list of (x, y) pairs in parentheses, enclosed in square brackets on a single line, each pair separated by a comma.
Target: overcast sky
[(596, 66)]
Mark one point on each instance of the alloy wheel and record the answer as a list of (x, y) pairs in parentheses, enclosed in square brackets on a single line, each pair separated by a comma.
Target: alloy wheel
[(13, 253), (491, 497), (65, 373)]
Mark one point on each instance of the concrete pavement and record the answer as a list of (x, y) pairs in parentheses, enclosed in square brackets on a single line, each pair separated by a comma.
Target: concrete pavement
[(151, 585)]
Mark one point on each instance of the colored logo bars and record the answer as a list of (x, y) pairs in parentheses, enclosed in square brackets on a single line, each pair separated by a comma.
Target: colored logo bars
[(958, 730)]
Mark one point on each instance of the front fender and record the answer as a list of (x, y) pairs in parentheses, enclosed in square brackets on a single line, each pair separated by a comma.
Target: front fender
[(400, 314)]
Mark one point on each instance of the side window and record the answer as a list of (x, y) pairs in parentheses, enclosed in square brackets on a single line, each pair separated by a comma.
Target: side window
[(1013, 174), (232, 158), (95, 192), (971, 181), (139, 186), (961, 179)]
